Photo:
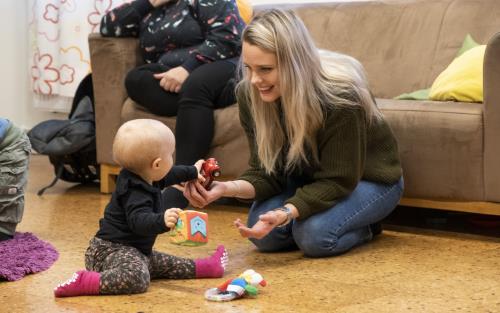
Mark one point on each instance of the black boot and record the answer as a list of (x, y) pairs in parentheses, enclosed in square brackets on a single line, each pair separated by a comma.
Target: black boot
[(376, 228)]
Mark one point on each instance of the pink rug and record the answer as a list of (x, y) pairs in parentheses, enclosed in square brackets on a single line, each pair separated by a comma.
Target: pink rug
[(25, 254)]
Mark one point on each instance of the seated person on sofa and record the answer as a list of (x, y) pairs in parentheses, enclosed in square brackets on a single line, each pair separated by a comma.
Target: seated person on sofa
[(324, 166), (191, 49), (15, 150)]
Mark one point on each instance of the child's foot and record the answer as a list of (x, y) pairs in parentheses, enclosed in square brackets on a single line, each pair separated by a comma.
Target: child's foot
[(83, 283), (213, 266)]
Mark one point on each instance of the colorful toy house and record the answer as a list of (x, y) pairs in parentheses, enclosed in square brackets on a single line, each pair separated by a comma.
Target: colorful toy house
[(191, 229)]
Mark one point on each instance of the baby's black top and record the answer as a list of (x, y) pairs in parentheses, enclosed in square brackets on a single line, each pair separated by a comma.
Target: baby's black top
[(134, 216)]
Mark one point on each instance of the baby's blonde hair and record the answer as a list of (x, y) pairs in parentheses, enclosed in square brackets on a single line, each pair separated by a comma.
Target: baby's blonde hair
[(139, 142)]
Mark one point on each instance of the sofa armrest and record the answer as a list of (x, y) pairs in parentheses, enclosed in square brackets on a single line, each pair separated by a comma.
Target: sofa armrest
[(111, 59), (491, 118)]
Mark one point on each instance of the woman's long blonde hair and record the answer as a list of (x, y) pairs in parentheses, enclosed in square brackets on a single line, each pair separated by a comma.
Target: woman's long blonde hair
[(308, 85)]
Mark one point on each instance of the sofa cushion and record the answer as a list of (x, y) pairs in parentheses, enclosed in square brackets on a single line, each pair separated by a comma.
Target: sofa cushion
[(228, 137), (462, 80), (440, 144), (468, 44), (423, 94)]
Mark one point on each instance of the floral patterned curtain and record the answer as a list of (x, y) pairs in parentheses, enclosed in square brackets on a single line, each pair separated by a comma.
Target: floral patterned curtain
[(59, 50)]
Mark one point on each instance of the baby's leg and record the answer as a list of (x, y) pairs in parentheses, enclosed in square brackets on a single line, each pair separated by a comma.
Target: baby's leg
[(168, 266), (111, 269), (124, 272)]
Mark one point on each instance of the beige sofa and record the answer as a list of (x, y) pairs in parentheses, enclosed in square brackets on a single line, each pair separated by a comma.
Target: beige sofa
[(449, 150)]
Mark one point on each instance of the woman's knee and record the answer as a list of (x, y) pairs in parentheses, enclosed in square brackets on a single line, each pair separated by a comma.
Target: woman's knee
[(195, 87), (268, 244), (208, 80), (133, 83), (314, 240)]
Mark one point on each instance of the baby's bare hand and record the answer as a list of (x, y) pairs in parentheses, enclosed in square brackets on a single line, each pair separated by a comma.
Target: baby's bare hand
[(199, 164), (171, 216)]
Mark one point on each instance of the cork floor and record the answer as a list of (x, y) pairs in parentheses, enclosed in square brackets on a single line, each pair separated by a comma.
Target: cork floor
[(416, 270)]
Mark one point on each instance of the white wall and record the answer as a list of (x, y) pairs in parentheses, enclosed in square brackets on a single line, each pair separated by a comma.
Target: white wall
[(16, 101)]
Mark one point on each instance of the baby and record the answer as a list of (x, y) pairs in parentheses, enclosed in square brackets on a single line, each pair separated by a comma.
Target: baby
[(120, 258)]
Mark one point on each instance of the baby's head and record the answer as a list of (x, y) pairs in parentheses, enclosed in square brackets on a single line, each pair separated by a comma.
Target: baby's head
[(145, 147)]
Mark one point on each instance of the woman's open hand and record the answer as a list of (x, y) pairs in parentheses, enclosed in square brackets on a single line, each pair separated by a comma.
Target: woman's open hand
[(266, 223)]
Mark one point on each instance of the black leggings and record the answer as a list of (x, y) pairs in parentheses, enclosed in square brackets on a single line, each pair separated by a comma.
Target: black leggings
[(208, 87)]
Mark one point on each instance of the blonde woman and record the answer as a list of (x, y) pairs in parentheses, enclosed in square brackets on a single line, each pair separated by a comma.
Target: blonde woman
[(324, 166)]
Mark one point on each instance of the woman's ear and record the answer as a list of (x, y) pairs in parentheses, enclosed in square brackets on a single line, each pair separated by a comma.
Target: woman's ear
[(156, 163)]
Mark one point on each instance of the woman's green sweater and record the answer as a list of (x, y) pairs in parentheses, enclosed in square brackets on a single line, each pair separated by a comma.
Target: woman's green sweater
[(349, 148)]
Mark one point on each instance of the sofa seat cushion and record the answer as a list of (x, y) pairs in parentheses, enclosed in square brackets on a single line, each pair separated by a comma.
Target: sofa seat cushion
[(228, 136), (448, 137)]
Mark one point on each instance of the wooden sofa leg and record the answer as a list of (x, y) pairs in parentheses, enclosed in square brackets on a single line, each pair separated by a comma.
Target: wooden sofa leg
[(108, 177)]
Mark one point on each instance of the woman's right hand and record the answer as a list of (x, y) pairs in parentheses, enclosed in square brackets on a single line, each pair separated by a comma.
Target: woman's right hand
[(158, 3), (199, 197)]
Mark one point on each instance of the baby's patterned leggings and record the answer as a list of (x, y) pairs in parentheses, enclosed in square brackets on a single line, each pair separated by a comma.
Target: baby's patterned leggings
[(125, 270)]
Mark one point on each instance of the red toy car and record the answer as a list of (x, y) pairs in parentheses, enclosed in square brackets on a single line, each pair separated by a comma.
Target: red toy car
[(210, 169)]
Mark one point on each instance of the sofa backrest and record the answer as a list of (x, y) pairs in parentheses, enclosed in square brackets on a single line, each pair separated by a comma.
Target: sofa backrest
[(403, 44)]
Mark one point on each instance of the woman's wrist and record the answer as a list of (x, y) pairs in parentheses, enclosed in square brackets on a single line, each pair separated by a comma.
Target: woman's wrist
[(289, 213), (239, 188), (233, 189), (286, 216)]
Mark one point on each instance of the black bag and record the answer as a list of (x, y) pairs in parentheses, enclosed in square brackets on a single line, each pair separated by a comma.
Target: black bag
[(70, 144)]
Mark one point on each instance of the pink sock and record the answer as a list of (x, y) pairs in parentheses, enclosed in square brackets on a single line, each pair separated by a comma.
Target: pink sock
[(83, 283), (213, 266)]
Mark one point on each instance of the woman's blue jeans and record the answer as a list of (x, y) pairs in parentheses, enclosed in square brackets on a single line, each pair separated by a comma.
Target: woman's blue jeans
[(335, 230)]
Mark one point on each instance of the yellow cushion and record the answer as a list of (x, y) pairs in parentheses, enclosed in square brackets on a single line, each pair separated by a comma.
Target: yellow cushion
[(462, 80), (246, 10)]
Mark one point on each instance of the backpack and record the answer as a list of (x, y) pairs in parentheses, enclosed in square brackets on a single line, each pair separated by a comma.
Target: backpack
[(70, 144)]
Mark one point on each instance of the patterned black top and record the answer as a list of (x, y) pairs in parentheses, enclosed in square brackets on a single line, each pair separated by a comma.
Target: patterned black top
[(185, 33)]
